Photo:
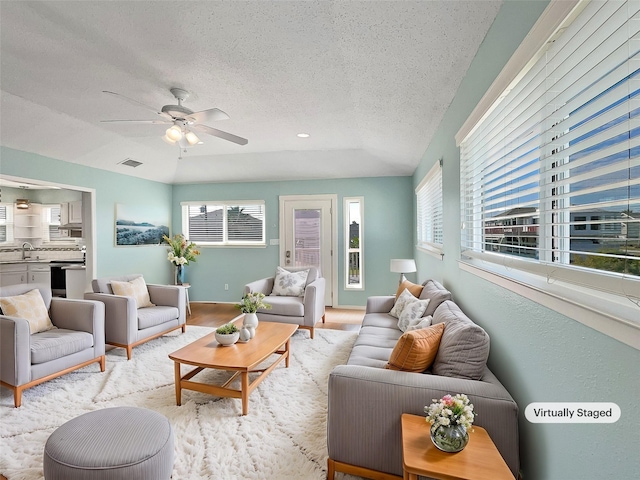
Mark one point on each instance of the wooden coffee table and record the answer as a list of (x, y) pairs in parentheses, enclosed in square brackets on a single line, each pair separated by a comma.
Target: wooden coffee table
[(480, 459), (242, 358)]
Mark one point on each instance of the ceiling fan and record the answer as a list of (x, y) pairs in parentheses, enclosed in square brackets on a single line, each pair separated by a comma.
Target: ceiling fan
[(184, 122)]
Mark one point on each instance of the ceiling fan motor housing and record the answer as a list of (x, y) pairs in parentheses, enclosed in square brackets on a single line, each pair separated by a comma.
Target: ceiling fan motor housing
[(177, 111)]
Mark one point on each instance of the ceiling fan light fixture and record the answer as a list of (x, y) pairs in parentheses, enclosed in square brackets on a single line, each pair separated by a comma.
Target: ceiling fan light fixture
[(22, 203), (168, 140), (303, 135), (174, 133), (192, 138)]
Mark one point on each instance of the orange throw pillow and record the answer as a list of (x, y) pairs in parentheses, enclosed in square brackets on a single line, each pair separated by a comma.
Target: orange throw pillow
[(416, 350), (414, 289)]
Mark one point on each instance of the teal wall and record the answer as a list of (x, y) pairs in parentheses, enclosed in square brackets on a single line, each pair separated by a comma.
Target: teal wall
[(387, 211), (111, 189), (538, 354)]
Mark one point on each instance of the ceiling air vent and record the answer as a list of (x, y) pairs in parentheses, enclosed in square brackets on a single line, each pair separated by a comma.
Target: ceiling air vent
[(129, 162)]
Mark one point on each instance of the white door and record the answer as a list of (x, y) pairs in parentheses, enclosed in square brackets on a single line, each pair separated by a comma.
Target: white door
[(307, 234)]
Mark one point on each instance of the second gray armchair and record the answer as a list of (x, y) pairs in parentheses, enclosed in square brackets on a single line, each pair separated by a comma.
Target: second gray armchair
[(305, 310), (128, 326)]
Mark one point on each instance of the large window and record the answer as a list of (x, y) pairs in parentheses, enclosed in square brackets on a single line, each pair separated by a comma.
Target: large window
[(429, 210), (6, 222), (353, 215), (224, 223), (550, 176)]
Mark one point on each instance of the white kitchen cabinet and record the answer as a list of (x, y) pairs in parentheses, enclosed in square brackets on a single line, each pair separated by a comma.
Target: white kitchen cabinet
[(13, 274), (18, 273), (39, 273), (71, 212)]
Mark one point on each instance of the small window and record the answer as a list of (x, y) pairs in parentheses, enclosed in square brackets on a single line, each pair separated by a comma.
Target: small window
[(353, 214), (224, 223), (429, 211), (6, 223), (51, 219)]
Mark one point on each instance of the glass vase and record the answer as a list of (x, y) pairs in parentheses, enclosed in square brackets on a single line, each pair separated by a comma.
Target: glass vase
[(449, 438), (179, 274)]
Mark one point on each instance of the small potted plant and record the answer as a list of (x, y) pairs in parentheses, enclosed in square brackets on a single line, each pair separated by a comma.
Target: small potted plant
[(227, 334), (249, 305), (450, 418)]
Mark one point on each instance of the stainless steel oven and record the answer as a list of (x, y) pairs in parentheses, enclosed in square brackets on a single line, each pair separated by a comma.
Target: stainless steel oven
[(59, 275)]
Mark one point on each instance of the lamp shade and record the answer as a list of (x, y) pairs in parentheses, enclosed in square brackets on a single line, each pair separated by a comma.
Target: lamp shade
[(403, 265), (22, 203)]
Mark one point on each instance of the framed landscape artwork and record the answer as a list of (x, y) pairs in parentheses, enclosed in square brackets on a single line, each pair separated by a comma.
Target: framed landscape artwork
[(135, 226)]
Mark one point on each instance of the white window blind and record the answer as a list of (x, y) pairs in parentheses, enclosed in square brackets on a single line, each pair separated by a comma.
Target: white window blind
[(550, 177), (6, 223), (429, 209), (225, 223)]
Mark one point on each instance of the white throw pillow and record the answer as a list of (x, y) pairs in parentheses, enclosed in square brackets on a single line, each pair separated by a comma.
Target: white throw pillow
[(403, 299), (412, 314), (289, 284)]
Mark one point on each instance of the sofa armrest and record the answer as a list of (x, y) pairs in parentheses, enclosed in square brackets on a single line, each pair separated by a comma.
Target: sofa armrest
[(80, 315), (264, 285), (170, 296), (380, 304), (120, 317), (314, 302), (15, 354), (365, 405)]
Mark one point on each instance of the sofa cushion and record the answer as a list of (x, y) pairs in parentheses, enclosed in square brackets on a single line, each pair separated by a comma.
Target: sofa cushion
[(136, 288), (369, 356), (57, 343), (380, 320), (29, 306), (156, 315), (378, 337), (416, 350), (464, 347), (289, 284), (287, 306), (415, 289), (436, 293)]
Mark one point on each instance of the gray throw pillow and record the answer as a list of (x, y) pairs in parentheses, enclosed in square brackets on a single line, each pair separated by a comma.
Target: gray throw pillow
[(436, 293), (464, 347)]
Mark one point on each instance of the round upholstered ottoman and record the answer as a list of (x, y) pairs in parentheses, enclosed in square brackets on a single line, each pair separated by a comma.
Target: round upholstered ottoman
[(111, 444)]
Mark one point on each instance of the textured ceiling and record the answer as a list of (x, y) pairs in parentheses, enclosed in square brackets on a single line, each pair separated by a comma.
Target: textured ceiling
[(368, 80)]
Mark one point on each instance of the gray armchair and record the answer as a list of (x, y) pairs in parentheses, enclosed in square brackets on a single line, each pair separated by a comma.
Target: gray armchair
[(127, 326), (304, 311), (30, 359)]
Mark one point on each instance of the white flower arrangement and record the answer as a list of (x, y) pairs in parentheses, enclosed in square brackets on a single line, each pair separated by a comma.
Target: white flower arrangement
[(450, 410)]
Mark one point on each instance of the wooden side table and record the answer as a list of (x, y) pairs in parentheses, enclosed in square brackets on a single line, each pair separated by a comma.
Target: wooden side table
[(480, 459)]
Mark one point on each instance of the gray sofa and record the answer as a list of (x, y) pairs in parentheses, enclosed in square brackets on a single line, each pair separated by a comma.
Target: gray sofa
[(126, 325), (365, 400)]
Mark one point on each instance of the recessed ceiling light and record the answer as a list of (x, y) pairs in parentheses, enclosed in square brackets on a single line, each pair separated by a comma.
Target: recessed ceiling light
[(303, 135)]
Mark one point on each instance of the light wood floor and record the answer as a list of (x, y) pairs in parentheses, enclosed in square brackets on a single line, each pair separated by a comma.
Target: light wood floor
[(215, 314)]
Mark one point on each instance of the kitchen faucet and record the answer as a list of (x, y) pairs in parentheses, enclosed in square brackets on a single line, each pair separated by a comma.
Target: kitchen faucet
[(24, 251)]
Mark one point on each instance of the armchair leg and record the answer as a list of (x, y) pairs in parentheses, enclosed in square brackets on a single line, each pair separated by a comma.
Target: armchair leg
[(323, 317), (184, 328), (102, 363), (129, 351), (17, 396)]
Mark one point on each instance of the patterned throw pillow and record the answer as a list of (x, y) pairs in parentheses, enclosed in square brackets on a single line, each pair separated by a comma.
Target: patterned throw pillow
[(289, 284), (136, 288), (416, 350), (401, 302), (29, 306), (412, 314), (420, 323)]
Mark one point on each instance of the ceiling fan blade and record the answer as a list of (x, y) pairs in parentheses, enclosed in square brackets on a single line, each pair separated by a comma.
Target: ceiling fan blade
[(135, 102), (220, 134), (205, 116), (155, 122)]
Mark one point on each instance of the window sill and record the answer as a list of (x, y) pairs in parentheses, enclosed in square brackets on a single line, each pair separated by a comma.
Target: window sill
[(432, 250), (607, 313)]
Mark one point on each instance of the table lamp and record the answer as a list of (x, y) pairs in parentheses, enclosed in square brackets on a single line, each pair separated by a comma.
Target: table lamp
[(402, 266)]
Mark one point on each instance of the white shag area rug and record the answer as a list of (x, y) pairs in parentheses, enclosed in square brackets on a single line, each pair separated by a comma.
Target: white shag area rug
[(282, 437)]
